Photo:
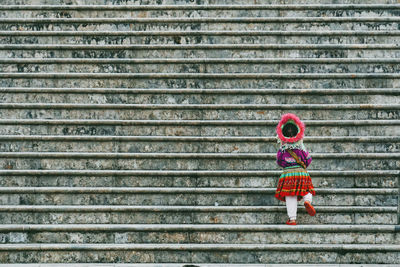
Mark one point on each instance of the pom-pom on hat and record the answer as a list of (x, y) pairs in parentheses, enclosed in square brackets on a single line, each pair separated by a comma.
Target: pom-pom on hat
[(293, 119)]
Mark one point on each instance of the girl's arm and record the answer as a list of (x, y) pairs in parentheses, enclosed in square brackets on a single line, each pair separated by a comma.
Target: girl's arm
[(306, 157), (280, 160)]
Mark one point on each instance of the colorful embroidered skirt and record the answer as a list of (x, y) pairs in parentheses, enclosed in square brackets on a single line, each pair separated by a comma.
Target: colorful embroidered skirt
[(294, 182)]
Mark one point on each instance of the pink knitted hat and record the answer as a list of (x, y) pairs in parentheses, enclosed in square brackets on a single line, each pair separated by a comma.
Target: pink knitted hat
[(290, 118)]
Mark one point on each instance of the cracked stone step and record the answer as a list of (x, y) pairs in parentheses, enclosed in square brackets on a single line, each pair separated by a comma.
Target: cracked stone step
[(220, 75), (223, 6), (198, 227), (193, 111), (195, 155), (192, 196), (268, 253), (192, 214), (200, 234), (230, 128), (202, 91), (176, 144), (212, 2), (182, 190), (198, 51), (253, 33), (201, 20), (233, 162), (94, 61), (201, 80), (190, 178), (382, 181), (197, 96), (172, 66), (205, 47), (187, 11), (202, 247), (205, 23), (198, 37)]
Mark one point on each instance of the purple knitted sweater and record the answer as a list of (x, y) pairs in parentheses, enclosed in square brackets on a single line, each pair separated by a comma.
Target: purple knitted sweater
[(284, 159)]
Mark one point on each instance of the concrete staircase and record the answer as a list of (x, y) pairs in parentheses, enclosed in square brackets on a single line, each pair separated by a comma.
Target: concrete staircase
[(143, 131)]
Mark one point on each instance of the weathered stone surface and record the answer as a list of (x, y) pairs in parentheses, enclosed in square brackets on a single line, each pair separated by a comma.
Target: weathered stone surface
[(208, 237)]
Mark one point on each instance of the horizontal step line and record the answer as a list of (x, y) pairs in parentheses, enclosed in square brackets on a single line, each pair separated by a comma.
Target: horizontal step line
[(130, 208), (194, 32), (183, 190), (94, 138), (201, 106), (200, 7), (198, 60), (168, 265), (193, 173), (346, 91), (195, 122), (66, 75), (197, 46), (370, 248), (330, 228), (104, 155), (172, 265), (97, 20)]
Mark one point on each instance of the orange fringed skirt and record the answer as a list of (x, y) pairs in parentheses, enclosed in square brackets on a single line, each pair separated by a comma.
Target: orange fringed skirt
[(294, 182)]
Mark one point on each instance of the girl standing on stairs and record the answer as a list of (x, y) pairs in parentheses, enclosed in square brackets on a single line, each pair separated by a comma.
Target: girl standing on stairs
[(295, 182)]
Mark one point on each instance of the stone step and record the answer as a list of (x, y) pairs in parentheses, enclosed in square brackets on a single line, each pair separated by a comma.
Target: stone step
[(232, 128), (199, 19), (186, 196), (203, 80), (183, 190), (202, 91), (204, 65), (193, 111), (8, 62), (200, 37), (209, 23), (248, 144), (177, 163), (111, 214), (200, 247), (333, 228), (202, 234), (189, 106), (253, 33), (363, 173), (191, 11), (201, 253), (203, 96), (208, 2), (311, 78), (327, 8), (189, 178), (201, 51), (190, 161)]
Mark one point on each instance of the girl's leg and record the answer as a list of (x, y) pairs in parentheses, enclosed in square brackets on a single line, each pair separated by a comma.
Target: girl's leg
[(308, 198), (291, 206), (307, 203)]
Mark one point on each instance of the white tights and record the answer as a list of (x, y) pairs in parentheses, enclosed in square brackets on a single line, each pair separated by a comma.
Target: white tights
[(291, 205)]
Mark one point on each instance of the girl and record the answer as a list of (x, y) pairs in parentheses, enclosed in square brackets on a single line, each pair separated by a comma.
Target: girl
[(295, 182)]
